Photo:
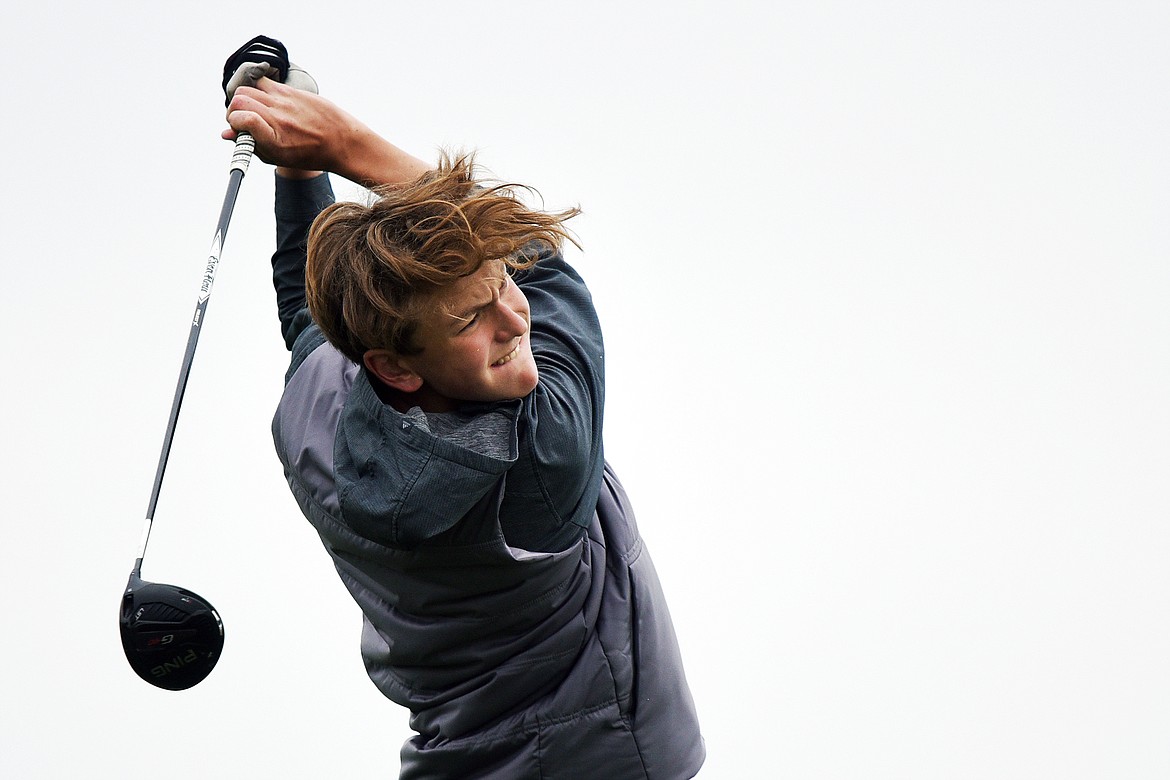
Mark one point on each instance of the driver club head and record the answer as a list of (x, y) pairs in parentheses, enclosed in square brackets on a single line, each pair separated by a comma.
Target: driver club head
[(172, 636)]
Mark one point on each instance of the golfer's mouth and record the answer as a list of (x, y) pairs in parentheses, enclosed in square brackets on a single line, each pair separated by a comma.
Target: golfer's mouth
[(510, 356)]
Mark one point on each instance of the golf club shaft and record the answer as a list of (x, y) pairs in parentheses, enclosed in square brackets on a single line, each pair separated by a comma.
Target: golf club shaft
[(242, 155)]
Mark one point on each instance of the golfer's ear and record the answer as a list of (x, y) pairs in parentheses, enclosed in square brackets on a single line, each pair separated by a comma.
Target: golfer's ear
[(385, 365)]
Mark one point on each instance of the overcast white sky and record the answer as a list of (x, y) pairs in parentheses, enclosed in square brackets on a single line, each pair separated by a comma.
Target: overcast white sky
[(885, 290)]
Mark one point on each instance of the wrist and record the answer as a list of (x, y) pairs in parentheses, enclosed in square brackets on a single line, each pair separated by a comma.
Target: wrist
[(296, 174)]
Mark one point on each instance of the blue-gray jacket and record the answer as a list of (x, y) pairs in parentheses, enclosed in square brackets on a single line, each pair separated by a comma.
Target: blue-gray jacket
[(509, 601)]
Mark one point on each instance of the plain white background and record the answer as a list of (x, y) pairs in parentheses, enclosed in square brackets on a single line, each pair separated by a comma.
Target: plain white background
[(884, 287)]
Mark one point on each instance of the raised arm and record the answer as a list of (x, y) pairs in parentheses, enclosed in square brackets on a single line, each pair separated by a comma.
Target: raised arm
[(304, 135), (300, 131), (299, 199)]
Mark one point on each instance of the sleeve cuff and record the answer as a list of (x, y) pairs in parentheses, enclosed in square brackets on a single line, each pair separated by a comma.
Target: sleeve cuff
[(302, 198)]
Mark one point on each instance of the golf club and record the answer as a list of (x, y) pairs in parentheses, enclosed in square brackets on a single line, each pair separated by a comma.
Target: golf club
[(173, 637)]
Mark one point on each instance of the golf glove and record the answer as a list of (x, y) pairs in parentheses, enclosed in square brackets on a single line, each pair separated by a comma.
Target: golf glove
[(263, 56)]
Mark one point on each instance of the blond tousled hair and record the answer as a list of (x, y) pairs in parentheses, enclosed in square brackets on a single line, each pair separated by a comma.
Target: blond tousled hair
[(372, 268)]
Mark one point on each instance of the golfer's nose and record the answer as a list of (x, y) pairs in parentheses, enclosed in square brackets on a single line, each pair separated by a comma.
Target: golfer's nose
[(510, 323)]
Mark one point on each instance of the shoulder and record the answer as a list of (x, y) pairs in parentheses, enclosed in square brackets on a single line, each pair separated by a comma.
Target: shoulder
[(304, 428)]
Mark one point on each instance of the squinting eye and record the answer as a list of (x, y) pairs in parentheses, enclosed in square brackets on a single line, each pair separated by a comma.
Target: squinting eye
[(470, 322)]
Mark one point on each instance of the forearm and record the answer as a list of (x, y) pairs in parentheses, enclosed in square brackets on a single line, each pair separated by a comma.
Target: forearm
[(368, 159), (301, 131), (377, 163)]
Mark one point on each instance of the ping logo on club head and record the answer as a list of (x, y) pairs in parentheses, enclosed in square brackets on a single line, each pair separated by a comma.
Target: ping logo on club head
[(175, 664)]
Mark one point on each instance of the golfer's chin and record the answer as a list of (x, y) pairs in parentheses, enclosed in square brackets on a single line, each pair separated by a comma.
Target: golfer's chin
[(516, 378), (527, 378)]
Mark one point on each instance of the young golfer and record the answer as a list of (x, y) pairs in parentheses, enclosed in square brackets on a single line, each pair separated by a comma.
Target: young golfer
[(441, 428)]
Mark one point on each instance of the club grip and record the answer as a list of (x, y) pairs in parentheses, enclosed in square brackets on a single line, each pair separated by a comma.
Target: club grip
[(245, 146)]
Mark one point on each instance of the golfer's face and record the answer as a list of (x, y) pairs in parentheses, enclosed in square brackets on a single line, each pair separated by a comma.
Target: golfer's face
[(475, 340)]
